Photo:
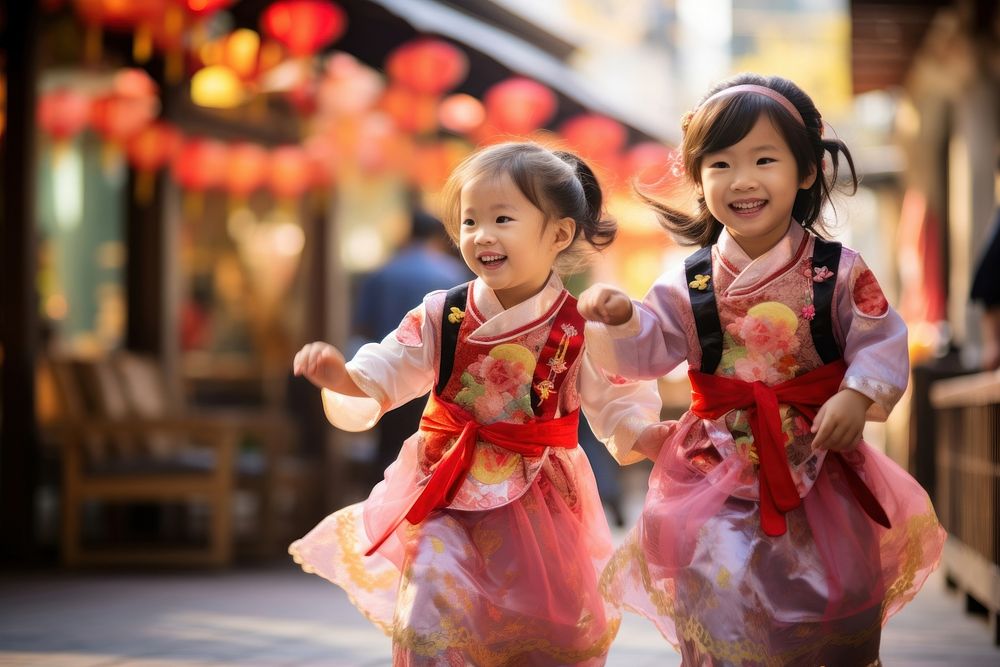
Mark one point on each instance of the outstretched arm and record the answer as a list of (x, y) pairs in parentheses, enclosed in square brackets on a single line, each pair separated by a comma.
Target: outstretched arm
[(324, 366)]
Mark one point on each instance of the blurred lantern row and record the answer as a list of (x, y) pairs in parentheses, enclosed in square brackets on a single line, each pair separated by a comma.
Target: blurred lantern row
[(353, 118)]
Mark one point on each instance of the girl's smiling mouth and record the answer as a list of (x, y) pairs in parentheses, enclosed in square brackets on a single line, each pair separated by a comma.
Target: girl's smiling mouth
[(748, 207)]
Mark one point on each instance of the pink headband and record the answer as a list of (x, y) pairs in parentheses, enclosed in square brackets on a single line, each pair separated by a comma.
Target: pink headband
[(760, 90)]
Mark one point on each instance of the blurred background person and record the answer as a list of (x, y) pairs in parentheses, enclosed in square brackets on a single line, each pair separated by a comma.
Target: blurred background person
[(424, 264)]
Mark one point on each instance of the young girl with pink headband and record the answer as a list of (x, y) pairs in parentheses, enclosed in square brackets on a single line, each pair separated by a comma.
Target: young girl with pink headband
[(772, 534)]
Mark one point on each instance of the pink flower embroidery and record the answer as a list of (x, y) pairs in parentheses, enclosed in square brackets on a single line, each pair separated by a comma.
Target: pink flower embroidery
[(762, 335), (868, 295), (822, 273), (499, 375), (808, 311)]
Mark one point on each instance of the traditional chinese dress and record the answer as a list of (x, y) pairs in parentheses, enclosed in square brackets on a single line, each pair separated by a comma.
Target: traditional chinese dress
[(487, 535), (754, 548)]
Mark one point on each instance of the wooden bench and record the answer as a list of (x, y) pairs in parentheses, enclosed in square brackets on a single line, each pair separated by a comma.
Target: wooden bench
[(123, 441)]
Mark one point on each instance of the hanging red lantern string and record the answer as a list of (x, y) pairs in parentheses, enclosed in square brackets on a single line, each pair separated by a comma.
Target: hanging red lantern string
[(600, 140), (117, 116), (62, 113), (518, 106), (199, 165), (427, 66), (247, 171), (304, 27), (148, 150), (288, 175)]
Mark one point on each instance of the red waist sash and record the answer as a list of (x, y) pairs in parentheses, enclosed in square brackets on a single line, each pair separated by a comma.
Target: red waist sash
[(715, 395), (448, 419)]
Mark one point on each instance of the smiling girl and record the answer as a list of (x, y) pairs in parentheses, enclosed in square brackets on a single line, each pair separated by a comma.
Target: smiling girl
[(482, 544), (771, 533)]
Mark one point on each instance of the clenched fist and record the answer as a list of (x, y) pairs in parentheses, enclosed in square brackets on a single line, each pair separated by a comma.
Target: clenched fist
[(323, 365), (604, 303)]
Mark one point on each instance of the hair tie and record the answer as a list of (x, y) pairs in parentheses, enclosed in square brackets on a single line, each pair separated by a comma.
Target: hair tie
[(760, 90)]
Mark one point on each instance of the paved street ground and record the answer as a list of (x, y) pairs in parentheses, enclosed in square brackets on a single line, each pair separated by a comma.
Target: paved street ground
[(281, 616)]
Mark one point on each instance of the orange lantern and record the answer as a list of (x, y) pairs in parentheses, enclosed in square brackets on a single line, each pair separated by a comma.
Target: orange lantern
[(148, 150), (200, 164), (519, 106), (247, 170), (304, 26), (461, 113), (288, 176), (412, 111), (427, 66)]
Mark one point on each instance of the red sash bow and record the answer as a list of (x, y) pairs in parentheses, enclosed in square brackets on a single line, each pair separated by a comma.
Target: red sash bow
[(715, 395), (448, 419)]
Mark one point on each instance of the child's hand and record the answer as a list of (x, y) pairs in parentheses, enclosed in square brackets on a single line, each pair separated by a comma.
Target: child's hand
[(604, 303), (320, 363), (839, 423), (651, 439)]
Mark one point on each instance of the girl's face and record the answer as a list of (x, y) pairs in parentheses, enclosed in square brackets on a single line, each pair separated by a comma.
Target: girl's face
[(750, 187), (505, 240)]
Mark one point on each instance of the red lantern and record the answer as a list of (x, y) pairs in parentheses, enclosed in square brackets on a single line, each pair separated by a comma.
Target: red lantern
[(200, 164), (247, 170), (130, 106), (304, 26), (594, 136), (100, 14), (428, 66), (148, 150), (62, 113), (289, 174), (412, 111), (348, 88), (519, 106)]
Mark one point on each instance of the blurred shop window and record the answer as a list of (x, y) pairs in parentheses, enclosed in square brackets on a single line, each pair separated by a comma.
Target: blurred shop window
[(81, 267)]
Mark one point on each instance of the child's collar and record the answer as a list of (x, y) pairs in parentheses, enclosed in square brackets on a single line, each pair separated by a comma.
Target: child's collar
[(782, 251)]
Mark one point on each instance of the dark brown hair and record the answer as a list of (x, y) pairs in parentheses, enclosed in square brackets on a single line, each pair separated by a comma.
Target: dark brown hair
[(719, 123), (558, 183)]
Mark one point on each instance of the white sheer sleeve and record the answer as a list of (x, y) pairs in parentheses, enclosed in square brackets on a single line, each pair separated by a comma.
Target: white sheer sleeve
[(650, 344), (392, 372)]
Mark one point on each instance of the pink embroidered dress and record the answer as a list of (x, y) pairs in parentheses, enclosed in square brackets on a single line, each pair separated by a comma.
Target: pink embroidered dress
[(506, 573), (808, 574)]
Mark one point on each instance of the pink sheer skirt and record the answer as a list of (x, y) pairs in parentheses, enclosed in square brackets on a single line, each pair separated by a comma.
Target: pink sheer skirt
[(512, 585), (723, 593)]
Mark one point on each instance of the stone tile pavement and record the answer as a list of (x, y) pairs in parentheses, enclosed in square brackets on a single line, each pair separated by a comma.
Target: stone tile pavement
[(281, 616)]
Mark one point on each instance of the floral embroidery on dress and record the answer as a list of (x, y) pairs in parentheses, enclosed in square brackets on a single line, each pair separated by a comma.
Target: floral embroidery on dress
[(822, 273), (557, 363), (808, 311), (868, 295), (762, 344), (456, 315), (497, 387), (408, 332)]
